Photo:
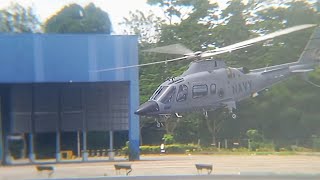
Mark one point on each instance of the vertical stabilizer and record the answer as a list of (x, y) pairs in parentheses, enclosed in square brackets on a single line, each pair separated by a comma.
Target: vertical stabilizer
[(311, 53)]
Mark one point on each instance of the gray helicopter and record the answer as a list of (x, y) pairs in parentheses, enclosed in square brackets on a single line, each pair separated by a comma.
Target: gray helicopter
[(209, 84)]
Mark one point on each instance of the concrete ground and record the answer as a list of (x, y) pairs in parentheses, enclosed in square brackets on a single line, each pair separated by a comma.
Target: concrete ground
[(168, 165)]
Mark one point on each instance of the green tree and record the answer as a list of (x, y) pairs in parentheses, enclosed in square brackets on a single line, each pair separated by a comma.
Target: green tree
[(286, 111), (75, 19), (146, 26), (188, 129), (215, 122), (256, 139), (168, 139), (18, 19), (171, 8)]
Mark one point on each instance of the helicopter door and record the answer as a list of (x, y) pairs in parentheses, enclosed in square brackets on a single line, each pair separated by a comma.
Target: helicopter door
[(182, 98), (182, 93)]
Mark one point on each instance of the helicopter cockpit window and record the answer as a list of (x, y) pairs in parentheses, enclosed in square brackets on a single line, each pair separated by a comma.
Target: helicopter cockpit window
[(213, 89), (166, 96), (199, 90), (182, 93), (159, 91)]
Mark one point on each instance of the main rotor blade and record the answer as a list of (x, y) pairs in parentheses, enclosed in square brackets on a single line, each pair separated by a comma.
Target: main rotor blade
[(189, 54), (250, 42), (171, 49), (223, 51), (140, 65)]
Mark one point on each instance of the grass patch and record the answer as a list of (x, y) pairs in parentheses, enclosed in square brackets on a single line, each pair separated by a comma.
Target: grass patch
[(223, 152)]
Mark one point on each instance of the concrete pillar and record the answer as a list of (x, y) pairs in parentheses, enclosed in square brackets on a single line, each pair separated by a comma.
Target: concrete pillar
[(78, 144), (111, 152), (1, 138), (7, 155), (31, 148), (32, 156), (85, 153), (24, 150), (111, 140), (58, 154), (1, 145), (84, 148), (134, 127)]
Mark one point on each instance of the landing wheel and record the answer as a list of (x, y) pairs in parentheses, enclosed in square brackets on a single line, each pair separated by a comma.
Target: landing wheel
[(158, 124), (234, 116)]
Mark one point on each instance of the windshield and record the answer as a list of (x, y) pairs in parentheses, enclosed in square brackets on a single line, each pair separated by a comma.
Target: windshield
[(158, 92), (167, 95)]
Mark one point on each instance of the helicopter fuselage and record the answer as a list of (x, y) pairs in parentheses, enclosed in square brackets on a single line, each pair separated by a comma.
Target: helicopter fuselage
[(212, 87), (210, 84)]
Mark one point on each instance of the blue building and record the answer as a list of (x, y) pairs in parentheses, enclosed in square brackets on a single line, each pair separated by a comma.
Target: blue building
[(52, 83)]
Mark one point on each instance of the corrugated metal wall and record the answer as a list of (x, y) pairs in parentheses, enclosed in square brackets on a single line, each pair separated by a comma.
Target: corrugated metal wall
[(51, 83), (69, 107)]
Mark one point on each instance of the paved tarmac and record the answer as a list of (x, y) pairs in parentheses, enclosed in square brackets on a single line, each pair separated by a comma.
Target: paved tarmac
[(181, 167), (207, 177)]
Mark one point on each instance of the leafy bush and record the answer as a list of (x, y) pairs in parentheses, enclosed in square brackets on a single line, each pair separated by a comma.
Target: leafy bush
[(257, 142), (170, 148), (303, 149), (241, 149), (267, 146), (150, 149), (254, 135), (316, 143), (125, 150), (168, 138)]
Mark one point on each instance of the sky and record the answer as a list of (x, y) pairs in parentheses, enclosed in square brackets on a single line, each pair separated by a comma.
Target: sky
[(117, 9)]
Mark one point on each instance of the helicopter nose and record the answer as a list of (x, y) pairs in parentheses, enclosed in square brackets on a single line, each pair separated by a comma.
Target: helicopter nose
[(147, 107)]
